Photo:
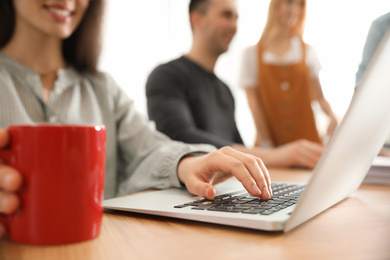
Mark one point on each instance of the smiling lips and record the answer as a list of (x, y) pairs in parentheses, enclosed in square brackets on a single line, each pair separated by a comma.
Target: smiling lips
[(60, 13)]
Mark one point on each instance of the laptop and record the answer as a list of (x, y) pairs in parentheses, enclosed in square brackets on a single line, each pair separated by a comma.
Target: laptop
[(338, 173)]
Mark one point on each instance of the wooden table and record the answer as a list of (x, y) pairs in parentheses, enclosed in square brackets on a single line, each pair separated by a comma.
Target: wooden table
[(356, 228)]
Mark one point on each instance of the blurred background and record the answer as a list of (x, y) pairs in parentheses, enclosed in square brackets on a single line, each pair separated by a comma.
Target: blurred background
[(139, 35)]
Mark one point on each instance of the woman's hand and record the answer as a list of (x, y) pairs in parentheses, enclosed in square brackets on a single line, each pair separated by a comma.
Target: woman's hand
[(301, 153), (10, 181), (331, 126), (200, 173), (384, 152)]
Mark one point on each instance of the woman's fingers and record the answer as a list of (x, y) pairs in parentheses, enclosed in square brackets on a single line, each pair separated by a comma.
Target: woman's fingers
[(4, 137), (198, 173), (311, 153), (249, 170), (201, 188), (303, 153), (9, 202), (255, 173), (384, 152), (306, 158), (10, 179)]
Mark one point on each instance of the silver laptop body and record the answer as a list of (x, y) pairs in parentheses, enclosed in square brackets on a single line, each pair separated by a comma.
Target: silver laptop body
[(339, 172)]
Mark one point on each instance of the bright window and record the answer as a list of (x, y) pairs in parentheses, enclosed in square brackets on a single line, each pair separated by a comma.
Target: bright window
[(139, 35)]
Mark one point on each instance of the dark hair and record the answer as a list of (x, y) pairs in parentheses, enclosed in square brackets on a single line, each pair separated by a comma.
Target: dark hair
[(198, 6), (7, 21), (81, 50)]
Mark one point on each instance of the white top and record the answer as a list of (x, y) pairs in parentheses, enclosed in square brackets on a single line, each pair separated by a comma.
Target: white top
[(249, 66)]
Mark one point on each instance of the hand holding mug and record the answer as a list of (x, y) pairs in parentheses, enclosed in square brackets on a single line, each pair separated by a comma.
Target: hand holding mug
[(10, 182), (60, 198)]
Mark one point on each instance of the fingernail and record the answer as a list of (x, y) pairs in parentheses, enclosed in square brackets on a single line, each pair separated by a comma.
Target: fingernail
[(270, 190), (256, 189), (266, 192), (206, 192)]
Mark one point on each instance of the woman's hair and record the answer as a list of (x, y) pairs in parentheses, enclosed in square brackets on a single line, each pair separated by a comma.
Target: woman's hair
[(273, 15), (7, 21), (81, 50)]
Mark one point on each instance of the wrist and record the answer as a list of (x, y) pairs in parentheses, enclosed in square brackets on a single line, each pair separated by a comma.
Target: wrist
[(186, 164)]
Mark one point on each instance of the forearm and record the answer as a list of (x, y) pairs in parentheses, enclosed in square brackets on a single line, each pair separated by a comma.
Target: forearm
[(259, 119), (327, 109), (320, 98)]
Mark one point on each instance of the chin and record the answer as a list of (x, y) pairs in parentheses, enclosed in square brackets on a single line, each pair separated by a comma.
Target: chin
[(62, 33), (226, 48), (222, 51)]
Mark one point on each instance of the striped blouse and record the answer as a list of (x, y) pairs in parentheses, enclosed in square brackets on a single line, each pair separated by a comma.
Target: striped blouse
[(137, 156)]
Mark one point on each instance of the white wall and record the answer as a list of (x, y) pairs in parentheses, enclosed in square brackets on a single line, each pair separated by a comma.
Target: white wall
[(139, 35)]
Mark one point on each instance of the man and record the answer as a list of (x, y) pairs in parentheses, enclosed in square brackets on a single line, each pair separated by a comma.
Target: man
[(189, 103)]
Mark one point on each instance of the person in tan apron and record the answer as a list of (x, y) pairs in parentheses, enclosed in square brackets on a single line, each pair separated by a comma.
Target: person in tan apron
[(285, 82)]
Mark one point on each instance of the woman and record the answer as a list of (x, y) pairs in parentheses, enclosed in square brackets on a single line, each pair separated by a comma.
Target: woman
[(280, 77), (48, 73)]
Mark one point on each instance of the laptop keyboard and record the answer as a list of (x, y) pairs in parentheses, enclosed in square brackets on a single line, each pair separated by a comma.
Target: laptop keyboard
[(284, 195)]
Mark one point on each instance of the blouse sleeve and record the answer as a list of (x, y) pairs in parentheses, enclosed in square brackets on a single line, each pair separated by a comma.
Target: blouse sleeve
[(312, 61), (146, 158), (249, 68)]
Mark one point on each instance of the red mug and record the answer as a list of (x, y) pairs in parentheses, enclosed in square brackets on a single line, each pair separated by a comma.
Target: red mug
[(63, 182)]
